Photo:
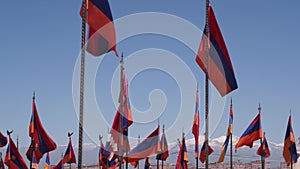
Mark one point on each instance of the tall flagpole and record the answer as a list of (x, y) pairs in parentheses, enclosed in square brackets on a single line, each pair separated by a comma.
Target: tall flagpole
[(80, 135), (231, 167), (206, 87), (121, 112)]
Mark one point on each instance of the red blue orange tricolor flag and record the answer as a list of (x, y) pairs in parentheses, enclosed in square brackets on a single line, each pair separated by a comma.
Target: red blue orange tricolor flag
[(148, 147), (69, 156), (13, 158), (220, 71), (182, 158), (263, 149), (228, 135), (164, 152), (34, 162), (196, 126), (203, 154), (1, 162), (102, 35), (59, 165), (289, 148), (40, 139), (3, 140), (252, 133)]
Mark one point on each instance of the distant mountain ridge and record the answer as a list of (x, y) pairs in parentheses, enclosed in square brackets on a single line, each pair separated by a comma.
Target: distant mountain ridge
[(243, 154)]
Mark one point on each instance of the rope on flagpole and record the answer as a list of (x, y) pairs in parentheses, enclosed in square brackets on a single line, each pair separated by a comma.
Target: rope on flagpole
[(81, 101)]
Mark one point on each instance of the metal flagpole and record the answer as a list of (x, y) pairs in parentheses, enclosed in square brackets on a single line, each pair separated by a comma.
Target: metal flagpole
[(231, 167), (100, 162), (9, 133), (138, 162), (32, 140), (262, 158), (82, 67), (121, 113), (206, 87)]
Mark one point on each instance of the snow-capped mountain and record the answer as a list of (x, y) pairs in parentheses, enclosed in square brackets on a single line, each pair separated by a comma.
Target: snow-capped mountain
[(244, 154)]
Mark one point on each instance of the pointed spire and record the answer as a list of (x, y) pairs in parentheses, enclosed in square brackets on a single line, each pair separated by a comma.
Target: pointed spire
[(231, 101), (33, 95), (259, 108)]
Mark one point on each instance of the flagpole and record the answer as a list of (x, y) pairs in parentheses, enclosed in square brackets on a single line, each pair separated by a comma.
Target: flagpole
[(138, 162), (231, 167), (206, 87), (262, 158), (82, 66), (121, 113), (291, 144), (32, 140), (182, 164), (157, 160)]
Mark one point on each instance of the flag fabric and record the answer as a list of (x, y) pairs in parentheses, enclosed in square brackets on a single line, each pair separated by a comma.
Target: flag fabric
[(182, 158), (289, 147), (125, 116), (41, 142), (1, 162), (13, 158), (228, 135), (3, 140), (220, 72), (102, 35), (147, 163), (148, 147), (263, 150), (252, 133), (47, 161), (69, 156), (164, 152), (196, 125), (101, 153), (34, 162), (59, 165), (203, 153)]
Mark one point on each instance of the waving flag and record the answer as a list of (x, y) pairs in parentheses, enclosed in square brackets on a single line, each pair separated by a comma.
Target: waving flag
[(102, 35), (228, 135), (47, 161), (203, 154), (263, 150), (289, 147), (252, 133), (164, 153), (220, 71), (40, 138), (3, 140), (182, 158), (147, 163), (13, 158), (148, 147), (196, 125), (69, 156)]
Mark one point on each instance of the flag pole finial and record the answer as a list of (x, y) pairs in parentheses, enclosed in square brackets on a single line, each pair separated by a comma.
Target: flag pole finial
[(70, 134), (231, 101), (9, 132), (100, 137), (33, 95), (259, 107)]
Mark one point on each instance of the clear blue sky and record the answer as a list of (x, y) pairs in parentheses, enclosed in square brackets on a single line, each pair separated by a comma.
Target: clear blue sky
[(40, 42)]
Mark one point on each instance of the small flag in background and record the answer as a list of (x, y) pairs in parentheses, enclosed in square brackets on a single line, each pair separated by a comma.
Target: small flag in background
[(196, 125), (102, 35), (263, 150), (13, 158), (59, 165), (252, 133), (3, 140), (1, 162), (47, 161), (228, 135), (40, 138), (289, 147), (203, 154), (69, 156), (182, 158), (34, 162), (164, 153), (220, 71)]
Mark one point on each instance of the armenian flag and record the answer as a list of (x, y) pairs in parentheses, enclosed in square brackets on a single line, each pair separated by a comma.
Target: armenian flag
[(13, 158), (196, 125), (3, 140), (289, 148), (203, 153), (47, 161), (263, 150)]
